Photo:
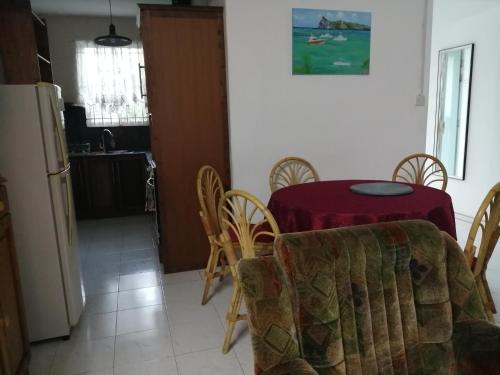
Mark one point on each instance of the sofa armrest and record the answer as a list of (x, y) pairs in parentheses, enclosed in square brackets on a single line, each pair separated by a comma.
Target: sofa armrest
[(270, 316), (297, 366), (477, 347)]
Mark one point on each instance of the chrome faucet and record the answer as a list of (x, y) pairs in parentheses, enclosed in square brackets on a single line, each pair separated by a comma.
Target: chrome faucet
[(112, 142)]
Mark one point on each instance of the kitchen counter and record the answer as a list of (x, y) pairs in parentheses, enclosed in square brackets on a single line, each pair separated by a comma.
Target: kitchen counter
[(114, 154), (102, 153)]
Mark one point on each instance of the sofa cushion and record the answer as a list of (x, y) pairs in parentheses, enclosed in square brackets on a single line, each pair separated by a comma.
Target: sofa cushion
[(477, 347), (370, 299), (274, 337)]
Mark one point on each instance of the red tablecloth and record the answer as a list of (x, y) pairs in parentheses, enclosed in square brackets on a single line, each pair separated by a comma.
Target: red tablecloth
[(330, 204)]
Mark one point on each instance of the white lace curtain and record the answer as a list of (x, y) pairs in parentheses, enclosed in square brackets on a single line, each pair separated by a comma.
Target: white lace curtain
[(109, 84)]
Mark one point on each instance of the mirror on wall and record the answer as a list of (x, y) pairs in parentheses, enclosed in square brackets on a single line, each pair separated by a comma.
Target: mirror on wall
[(452, 113)]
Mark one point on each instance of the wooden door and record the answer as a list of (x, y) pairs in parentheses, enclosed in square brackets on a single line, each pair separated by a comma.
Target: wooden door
[(186, 86)]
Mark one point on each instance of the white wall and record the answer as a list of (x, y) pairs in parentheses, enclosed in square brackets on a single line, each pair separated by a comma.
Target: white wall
[(458, 22), (347, 126), (64, 31)]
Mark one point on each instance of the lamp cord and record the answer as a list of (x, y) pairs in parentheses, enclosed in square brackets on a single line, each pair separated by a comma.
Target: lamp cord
[(110, 14)]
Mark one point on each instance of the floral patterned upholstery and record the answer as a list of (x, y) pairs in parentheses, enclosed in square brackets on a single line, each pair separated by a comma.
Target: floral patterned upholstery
[(389, 298)]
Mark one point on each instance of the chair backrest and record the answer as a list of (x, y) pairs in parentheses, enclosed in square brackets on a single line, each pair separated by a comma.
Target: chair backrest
[(210, 190), (291, 171), (421, 169), (488, 219), (369, 299), (248, 220)]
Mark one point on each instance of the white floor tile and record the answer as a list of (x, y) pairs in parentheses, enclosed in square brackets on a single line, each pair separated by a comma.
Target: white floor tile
[(102, 372), (248, 367), (240, 338), (164, 366), (130, 299), (142, 346), (101, 285), (212, 362), (142, 319), (242, 347), (154, 316), (182, 277), (101, 303), (136, 240), (196, 336), (106, 245), (221, 298), (140, 280), (183, 293), (95, 258), (93, 268), (75, 357), (192, 312), (138, 266), (141, 254), (42, 356), (39, 368), (95, 326)]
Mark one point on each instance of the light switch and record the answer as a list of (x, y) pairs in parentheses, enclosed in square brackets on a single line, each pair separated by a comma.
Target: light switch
[(420, 100)]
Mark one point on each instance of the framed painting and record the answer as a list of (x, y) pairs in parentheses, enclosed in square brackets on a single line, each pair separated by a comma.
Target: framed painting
[(330, 42)]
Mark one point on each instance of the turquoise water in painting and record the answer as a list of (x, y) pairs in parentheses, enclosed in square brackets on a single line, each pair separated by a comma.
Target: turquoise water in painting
[(343, 51)]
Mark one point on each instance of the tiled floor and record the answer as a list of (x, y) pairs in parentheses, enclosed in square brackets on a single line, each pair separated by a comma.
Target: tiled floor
[(139, 322)]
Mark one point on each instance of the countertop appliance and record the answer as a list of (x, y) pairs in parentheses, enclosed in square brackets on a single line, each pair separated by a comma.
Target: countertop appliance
[(33, 159), (152, 198)]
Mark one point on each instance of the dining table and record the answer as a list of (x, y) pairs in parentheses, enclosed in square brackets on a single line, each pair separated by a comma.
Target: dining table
[(332, 204)]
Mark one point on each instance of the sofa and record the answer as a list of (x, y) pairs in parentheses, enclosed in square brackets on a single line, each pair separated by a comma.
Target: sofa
[(389, 298)]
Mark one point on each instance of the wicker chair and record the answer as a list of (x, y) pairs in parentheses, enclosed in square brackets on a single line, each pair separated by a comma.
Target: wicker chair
[(421, 169), (210, 190), (246, 218), (291, 171), (488, 219)]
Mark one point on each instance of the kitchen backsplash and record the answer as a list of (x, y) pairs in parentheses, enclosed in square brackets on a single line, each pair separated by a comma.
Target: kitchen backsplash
[(132, 138)]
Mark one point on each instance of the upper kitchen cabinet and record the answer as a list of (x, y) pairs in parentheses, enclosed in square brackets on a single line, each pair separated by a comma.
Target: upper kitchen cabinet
[(186, 86), (24, 47)]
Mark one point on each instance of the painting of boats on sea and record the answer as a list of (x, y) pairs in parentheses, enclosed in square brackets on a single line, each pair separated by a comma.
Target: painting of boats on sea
[(331, 42)]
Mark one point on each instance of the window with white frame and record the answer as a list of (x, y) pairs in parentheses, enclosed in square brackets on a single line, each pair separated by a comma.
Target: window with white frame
[(109, 84)]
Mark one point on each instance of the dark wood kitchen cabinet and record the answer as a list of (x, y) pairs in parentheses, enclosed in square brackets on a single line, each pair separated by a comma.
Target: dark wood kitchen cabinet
[(24, 44), (108, 185), (14, 344)]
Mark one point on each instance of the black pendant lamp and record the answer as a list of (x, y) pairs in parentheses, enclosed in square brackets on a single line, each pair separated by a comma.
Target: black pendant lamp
[(112, 40)]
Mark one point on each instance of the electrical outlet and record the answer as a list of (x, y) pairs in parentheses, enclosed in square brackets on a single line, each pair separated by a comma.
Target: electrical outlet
[(420, 100)]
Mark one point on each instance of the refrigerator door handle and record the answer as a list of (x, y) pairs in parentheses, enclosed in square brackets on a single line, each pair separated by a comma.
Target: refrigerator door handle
[(69, 194), (69, 204)]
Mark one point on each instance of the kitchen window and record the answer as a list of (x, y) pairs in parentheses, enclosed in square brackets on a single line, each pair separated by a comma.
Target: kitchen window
[(109, 84)]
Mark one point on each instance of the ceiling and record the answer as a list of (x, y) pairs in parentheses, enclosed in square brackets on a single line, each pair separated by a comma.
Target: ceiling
[(121, 8)]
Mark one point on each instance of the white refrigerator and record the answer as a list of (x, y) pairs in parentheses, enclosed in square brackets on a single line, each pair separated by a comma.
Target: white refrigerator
[(33, 159)]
